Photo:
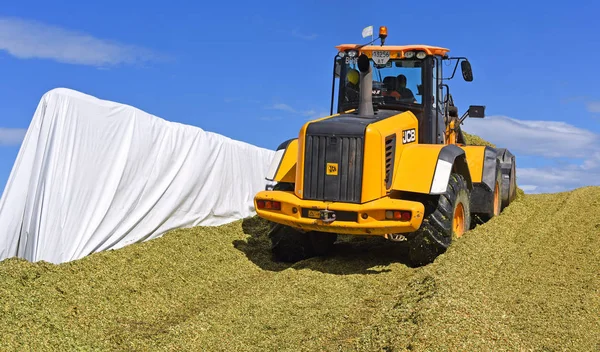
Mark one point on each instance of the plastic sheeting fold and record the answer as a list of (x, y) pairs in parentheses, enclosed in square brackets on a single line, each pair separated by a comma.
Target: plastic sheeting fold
[(93, 175)]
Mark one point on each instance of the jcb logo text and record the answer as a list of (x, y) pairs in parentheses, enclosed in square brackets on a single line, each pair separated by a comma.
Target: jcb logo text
[(408, 136)]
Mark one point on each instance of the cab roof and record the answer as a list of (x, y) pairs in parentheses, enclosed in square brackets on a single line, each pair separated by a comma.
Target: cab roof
[(401, 49)]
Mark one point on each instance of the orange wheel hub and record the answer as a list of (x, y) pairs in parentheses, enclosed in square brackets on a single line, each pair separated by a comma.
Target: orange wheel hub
[(496, 200), (458, 222)]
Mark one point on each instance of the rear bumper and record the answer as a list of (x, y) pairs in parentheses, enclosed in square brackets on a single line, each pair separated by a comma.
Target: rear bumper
[(349, 216)]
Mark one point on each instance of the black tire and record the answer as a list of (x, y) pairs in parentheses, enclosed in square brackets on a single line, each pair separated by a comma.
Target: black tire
[(512, 192), (289, 245), (509, 177), (322, 242), (509, 186), (436, 232)]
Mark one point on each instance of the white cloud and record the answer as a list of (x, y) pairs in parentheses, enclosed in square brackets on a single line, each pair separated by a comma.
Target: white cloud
[(547, 140), (593, 106), (27, 39), (12, 136), (534, 137), (557, 179)]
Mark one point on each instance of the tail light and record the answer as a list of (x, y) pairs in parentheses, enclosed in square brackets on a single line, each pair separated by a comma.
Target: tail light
[(402, 215), (268, 204)]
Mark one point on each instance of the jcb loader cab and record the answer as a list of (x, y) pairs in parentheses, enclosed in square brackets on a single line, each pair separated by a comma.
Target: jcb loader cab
[(392, 161)]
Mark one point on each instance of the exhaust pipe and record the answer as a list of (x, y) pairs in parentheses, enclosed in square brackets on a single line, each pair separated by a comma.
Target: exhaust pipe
[(365, 104)]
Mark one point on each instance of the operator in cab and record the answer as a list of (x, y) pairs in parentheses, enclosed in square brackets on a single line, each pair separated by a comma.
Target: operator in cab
[(352, 85), (406, 95)]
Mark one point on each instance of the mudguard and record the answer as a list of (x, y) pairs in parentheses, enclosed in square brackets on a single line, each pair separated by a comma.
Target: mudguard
[(509, 181), (283, 166), (482, 160), (426, 168), (485, 166)]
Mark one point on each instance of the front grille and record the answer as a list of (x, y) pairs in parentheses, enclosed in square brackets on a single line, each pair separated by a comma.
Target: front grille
[(347, 153)]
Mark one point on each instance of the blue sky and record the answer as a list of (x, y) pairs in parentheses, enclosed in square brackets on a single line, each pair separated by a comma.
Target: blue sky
[(256, 71)]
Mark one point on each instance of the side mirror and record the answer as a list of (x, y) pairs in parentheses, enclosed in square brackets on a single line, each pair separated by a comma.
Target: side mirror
[(477, 111), (467, 73)]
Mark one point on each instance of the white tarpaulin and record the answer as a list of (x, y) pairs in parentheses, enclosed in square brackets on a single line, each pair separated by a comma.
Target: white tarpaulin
[(94, 175)]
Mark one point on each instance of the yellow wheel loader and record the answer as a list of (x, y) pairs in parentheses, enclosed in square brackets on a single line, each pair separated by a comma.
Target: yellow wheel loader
[(391, 162)]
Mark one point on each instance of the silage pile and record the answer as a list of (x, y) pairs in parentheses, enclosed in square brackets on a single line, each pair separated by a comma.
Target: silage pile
[(527, 280)]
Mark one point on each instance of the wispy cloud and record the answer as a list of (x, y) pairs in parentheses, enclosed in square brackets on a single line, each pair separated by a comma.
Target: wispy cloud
[(12, 136), (593, 106), (283, 107), (270, 118), (548, 140), (27, 39), (571, 99), (304, 36), (310, 114)]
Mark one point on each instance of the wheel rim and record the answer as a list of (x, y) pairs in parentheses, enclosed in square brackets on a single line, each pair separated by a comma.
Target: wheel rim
[(458, 222), (496, 200)]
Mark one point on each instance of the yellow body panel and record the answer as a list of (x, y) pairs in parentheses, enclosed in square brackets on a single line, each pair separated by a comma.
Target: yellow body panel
[(300, 165), (374, 224), (416, 168), (287, 167), (374, 169), (475, 159)]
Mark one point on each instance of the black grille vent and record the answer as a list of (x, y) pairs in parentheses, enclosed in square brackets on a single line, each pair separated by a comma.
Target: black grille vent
[(390, 152), (347, 154)]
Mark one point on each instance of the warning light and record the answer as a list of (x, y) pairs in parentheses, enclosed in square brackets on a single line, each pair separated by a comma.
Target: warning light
[(382, 34)]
